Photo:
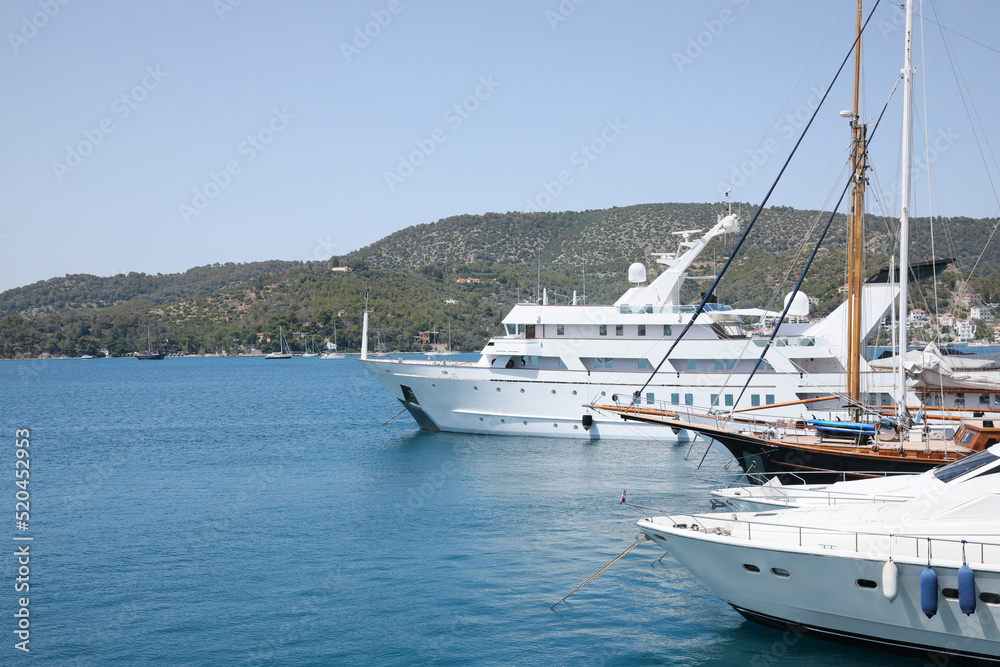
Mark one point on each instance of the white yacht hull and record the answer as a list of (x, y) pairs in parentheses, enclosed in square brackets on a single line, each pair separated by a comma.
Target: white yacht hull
[(821, 597), (469, 398)]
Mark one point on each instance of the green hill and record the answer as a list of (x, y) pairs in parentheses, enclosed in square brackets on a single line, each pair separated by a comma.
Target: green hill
[(485, 263)]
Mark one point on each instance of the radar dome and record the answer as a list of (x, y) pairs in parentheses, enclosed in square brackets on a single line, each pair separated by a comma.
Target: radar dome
[(800, 304), (730, 222), (637, 273)]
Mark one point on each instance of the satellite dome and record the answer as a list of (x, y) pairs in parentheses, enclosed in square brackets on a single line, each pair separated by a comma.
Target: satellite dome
[(800, 304), (729, 222), (637, 273)]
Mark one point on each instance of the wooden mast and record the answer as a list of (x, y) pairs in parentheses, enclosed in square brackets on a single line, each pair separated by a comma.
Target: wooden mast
[(856, 236)]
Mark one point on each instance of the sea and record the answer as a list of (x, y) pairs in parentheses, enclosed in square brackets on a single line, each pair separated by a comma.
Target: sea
[(237, 511)]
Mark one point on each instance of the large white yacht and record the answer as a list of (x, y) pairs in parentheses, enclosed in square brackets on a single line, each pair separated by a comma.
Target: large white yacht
[(916, 570), (554, 360)]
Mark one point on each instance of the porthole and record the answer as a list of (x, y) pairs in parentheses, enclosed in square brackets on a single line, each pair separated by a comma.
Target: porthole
[(525, 422), (498, 389), (950, 593), (475, 389), (553, 391), (780, 572), (866, 583), (576, 426), (480, 419), (522, 390), (990, 598), (751, 568), (503, 421), (433, 385), (574, 392), (555, 426), (604, 393)]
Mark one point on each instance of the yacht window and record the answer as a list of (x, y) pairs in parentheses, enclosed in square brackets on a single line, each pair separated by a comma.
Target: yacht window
[(643, 363), (769, 398), (650, 398), (962, 466), (950, 593), (691, 363), (560, 329), (990, 598), (866, 583), (642, 329), (967, 438), (729, 400), (688, 399), (562, 364), (751, 568), (511, 329), (675, 399), (619, 329), (719, 365), (520, 328), (755, 400), (886, 399), (715, 400), (598, 362), (533, 361), (959, 400), (609, 362), (666, 330), (603, 329), (780, 572), (984, 399)]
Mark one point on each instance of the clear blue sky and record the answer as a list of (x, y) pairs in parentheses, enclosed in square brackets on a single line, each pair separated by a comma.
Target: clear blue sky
[(157, 136)]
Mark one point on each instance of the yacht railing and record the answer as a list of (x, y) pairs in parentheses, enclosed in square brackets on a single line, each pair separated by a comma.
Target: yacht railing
[(919, 548)]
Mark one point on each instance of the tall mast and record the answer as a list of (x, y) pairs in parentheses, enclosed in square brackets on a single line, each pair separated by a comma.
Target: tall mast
[(904, 213), (856, 236)]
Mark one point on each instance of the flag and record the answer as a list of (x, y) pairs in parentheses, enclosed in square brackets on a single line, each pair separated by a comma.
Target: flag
[(623, 495)]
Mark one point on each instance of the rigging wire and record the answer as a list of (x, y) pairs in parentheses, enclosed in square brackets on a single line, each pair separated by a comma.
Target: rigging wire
[(808, 265), (746, 232)]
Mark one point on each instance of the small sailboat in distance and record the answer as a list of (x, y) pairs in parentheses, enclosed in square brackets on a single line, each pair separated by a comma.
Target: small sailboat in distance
[(284, 352), (333, 353), (310, 349), (149, 354)]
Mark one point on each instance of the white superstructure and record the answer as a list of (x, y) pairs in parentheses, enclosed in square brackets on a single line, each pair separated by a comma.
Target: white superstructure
[(554, 360)]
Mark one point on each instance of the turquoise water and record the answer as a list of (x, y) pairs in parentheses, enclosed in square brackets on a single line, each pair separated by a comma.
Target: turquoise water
[(236, 511)]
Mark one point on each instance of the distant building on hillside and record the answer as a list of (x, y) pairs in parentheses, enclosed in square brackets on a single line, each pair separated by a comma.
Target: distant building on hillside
[(984, 313), (341, 269)]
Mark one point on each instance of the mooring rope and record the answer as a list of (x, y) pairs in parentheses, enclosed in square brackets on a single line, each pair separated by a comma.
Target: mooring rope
[(596, 574)]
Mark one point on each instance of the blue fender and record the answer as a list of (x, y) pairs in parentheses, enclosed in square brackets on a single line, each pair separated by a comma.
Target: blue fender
[(928, 592), (966, 590)]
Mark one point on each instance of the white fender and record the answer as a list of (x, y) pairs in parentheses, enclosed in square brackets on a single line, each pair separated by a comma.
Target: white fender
[(890, 581)]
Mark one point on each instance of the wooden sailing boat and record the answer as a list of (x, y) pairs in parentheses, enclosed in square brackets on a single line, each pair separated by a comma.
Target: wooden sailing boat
[(776, 446)]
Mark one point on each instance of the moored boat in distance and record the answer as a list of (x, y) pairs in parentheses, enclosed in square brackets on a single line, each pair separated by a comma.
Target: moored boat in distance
[(283, 352)]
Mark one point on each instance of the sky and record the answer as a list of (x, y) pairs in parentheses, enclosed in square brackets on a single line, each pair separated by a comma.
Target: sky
[(157, 136)]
